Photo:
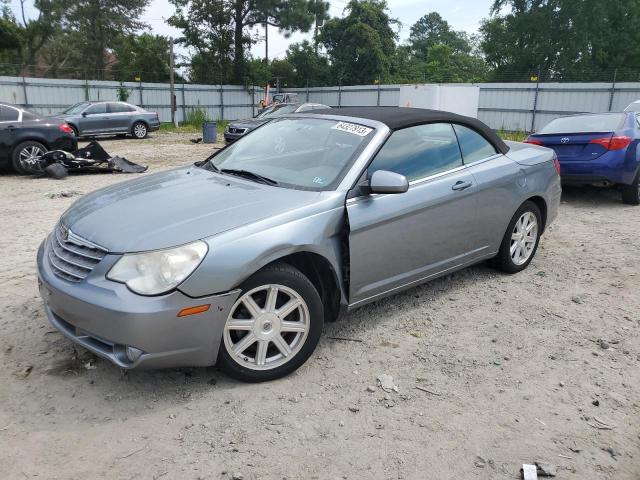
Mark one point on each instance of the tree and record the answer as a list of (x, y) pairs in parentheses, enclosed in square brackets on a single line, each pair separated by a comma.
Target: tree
[(431, 30), (308, 65), (564, 39), (218, 28), (361, 44), (145, 55), (98, 26)]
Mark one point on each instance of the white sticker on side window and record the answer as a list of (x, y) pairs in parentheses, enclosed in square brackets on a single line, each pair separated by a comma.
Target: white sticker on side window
[(353, 128)]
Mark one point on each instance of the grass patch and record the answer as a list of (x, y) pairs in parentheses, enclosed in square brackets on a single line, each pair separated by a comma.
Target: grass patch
[(190, 128), (516, 136)]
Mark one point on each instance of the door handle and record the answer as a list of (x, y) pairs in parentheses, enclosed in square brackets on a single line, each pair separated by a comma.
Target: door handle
[(460, 185)]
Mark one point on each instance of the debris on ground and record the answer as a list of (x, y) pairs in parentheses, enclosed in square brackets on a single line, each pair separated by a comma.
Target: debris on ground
[(196, 140), (546, 469), (24, 372), (529, 472), (64, 194), (90, 159), (386, 383), (603, 344)]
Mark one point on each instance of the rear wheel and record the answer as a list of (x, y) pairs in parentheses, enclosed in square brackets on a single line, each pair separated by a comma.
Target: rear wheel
[(520, 241), (273, 328), (631, 193), (139, 130), (25, 154)]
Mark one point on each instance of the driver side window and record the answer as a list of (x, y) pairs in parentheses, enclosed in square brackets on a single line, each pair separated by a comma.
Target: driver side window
[(419, 152)]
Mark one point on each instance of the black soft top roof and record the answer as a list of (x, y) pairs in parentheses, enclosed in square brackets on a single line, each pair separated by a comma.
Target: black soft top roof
[(397, 118)]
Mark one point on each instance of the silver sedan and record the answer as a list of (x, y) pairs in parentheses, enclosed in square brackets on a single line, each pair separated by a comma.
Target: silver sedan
[(90, 119), (241, 258)]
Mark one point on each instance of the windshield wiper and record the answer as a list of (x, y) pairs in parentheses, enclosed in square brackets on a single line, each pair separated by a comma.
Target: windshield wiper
[(249, 175)]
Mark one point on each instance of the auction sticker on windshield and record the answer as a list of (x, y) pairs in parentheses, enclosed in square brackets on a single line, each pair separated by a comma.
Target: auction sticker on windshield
[(353, 128)]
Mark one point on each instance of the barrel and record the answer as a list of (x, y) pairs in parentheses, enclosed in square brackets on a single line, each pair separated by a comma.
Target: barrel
[(209, 132)]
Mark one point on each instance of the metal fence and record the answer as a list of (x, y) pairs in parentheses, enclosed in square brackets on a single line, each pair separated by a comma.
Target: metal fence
[(48, 96), (508, 106)]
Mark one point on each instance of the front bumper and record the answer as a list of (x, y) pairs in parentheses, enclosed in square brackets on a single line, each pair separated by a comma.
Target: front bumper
[(105, 317), (232, 137)]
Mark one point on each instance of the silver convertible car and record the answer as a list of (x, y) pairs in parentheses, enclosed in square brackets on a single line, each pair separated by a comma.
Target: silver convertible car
[(241, 258)]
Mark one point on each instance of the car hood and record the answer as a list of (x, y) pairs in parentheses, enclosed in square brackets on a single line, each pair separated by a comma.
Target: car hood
[(176, 207), (249, 123)]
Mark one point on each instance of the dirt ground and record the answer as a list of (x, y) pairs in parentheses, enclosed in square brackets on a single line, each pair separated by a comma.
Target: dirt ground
[(539, 366)]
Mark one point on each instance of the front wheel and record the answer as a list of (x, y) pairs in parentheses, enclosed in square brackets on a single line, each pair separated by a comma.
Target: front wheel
[(25, 156), (631, 193), (273, 327), (520, 241), (139, 130)]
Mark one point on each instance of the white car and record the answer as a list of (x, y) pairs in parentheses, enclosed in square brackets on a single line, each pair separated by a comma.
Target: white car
[(633, 107)]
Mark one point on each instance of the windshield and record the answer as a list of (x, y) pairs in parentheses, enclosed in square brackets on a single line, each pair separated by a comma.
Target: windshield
[(584, 124), (76, 108), (278, 111), (306, 153)]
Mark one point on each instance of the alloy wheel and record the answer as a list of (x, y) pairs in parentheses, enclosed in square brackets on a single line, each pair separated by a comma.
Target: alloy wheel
[(29, 155), (524, 238), (140, 130), (267, 327)]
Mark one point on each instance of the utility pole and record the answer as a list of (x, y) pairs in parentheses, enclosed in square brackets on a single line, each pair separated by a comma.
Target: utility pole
[(266, 39), (174, 119)]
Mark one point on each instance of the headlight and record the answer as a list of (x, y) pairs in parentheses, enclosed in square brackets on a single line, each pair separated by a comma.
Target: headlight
[(157, 272)]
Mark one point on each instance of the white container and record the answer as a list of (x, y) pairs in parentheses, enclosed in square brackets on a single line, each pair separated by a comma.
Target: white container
[(460, 99)]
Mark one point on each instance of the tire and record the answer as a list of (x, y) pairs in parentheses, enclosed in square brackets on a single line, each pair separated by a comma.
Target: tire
[(139, 130), (262, 329), (525, 250), (23, 152), (631, 193)]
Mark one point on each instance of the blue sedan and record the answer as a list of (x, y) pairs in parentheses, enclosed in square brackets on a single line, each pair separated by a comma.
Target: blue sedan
[(597, 149)]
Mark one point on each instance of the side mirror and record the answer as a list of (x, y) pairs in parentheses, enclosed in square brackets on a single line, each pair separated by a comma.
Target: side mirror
[(383, 181), (84, 114)]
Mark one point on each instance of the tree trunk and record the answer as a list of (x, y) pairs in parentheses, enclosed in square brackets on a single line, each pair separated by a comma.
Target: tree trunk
[(238, 64)]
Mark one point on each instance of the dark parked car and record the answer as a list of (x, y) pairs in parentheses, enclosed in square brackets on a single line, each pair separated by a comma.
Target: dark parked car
[(110, 118), (25, 135), (600, 149), (241, 127)]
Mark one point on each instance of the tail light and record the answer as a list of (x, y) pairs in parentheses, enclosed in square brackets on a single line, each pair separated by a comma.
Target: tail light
[(613, 143), (556, 164), (533, 141), (66, 128)]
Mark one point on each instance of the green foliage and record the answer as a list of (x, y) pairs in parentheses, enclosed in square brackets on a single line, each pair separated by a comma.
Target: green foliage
[(516, 136), (361, 44), (432, 30), (196, 117), (143, 55), (99, 26), (123, 93), (220, 31), (566, 39)]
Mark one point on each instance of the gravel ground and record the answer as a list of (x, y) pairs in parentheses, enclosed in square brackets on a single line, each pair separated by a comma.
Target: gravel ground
[(539, 366)]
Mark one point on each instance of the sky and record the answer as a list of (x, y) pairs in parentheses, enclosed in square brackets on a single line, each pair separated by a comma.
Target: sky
[(461, 14)]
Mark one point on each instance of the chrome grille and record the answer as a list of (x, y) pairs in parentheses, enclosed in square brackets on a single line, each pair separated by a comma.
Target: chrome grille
[(71, 257)]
